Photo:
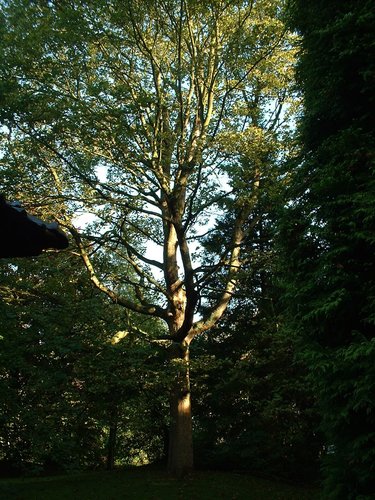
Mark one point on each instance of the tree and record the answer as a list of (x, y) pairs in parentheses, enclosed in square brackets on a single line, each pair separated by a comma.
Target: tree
[(128, 110), (328, 235), (248, 366), (72, 380), (49, 317)]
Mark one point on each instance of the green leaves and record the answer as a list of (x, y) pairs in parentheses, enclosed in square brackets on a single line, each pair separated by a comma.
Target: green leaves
[(61, 379), (138, 113), (329, 250)]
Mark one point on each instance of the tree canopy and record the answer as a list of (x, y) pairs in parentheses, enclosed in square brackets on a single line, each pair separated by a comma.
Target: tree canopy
[(154, 117), (128, 110)]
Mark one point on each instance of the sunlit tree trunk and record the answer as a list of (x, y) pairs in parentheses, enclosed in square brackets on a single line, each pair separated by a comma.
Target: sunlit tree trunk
[(180, 453)]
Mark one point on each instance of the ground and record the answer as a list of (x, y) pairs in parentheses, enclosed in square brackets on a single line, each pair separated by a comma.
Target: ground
[(151, 484)]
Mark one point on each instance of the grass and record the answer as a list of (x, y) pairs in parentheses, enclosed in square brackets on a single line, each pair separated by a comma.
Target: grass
[(143, 483)]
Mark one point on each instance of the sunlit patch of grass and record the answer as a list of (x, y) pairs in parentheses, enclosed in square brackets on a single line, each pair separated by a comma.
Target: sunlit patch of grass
[(143, 483)]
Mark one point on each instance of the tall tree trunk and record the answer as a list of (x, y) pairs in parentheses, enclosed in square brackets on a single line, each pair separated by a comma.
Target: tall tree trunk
[(112, 438), (180, 453)]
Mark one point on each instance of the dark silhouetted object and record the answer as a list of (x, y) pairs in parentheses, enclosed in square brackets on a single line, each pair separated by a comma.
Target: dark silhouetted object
[(23, 235)]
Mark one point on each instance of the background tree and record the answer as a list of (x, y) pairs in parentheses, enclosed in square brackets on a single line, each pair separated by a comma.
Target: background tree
[(73, 382), (329, 232), (254, 405), (44, 421), (127, 109)]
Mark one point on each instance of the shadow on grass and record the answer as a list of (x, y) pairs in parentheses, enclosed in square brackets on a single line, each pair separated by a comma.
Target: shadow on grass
[(143, 483)]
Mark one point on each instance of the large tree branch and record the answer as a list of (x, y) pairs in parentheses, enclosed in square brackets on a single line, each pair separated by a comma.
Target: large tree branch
[(234, 265), (149, 309), (190, 287), (115, 240)]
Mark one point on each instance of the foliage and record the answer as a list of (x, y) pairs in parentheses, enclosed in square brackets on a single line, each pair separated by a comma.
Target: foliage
[(328, 234), (255, 408), (64, 378), (137, 113)]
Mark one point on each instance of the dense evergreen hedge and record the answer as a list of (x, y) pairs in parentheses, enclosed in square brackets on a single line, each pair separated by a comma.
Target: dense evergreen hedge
[(329, 229)]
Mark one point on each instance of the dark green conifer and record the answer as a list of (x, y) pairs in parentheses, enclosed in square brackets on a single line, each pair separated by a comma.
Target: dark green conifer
[(329, 230)]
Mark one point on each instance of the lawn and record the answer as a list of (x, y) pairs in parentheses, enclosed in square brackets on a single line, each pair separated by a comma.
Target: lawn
[(143, 483)]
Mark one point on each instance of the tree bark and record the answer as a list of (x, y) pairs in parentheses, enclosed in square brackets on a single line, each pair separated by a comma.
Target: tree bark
[(112, 438), (180, 453)]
